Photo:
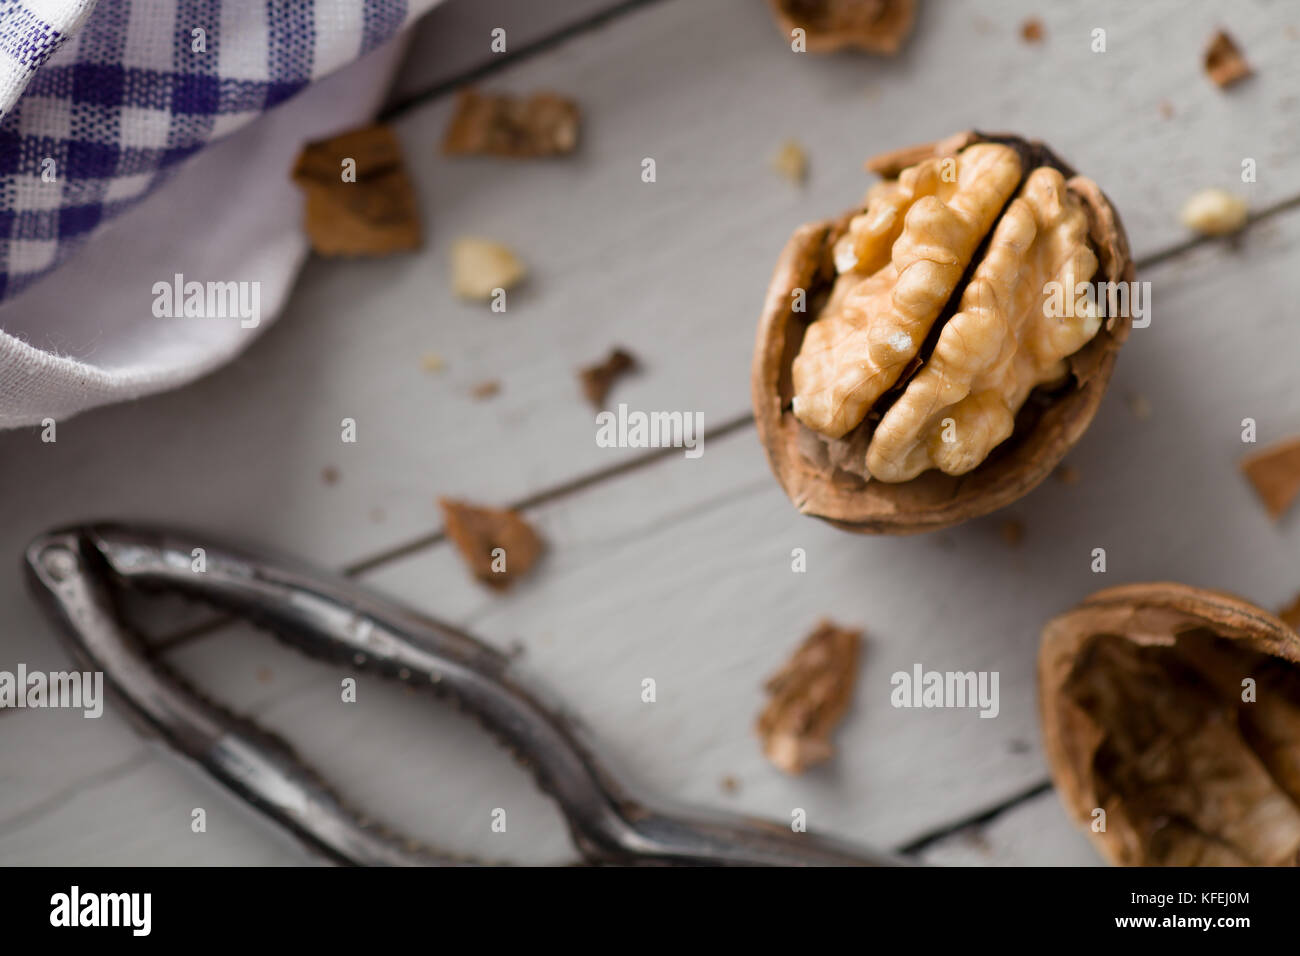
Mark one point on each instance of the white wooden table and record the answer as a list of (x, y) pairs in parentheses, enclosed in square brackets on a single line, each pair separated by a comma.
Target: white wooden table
[(661, 566)]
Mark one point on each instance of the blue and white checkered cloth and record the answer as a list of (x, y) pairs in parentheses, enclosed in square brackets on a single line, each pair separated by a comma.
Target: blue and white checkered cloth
[(99, 102)]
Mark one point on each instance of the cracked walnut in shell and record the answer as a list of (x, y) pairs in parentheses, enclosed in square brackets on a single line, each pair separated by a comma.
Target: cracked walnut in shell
[(931, 356), (1171, 722)]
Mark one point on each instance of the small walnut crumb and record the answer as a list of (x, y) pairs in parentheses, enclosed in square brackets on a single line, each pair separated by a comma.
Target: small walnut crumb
[(498, 546), (1031, 31), (1067, 474), (807, 698), (432, 362), (485, 390), (264, 675), (330, 475), (729, 784), (372, 212), (1290, 614), (1275, 474), (1012, 532), (1224, 62), (1166, 109), (498, 125), (791, 162), (1215, 212), (597, 379), (977, 840), (480, 266), (1138, 405)]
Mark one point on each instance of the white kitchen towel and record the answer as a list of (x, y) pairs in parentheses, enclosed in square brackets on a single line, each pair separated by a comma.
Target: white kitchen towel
[(194, 183)]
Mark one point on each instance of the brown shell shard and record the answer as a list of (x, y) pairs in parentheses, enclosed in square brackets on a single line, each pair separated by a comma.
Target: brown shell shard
[(376, 214), (498, 546), (807, 698), (1290, 615), (599, 378), (1176, 712), (878, 26), (1275, 474), (491, 124), (1224, 62)]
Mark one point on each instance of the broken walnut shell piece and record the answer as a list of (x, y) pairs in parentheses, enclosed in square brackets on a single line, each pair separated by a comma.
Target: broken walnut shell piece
[(1225, 64), (877, 26), (497, 545), (374, 215), (816, 471), (1175, 711), (1274, 472), (807, 698), (495, 124), (598, 378)]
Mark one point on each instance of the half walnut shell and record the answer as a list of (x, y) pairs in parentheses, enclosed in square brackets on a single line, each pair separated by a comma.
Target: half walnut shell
[(1171, 721), (812, 471)]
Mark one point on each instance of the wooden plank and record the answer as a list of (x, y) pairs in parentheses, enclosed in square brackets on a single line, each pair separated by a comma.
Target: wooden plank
[(681, 571), (675, 270), (678, 573)]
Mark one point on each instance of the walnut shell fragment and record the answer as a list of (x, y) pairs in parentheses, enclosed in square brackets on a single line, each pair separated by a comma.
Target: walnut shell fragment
[(597, 379), (492, 124), (498, 546), (373, 214), (1224, 62), (1274, 472), (877, 26), (807, 698), (1290, 615), (908, 374), (1176, 712)]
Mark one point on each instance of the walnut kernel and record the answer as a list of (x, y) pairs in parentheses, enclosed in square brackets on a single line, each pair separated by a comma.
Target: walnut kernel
[(481, 266), (1215, 212), (791, 162)]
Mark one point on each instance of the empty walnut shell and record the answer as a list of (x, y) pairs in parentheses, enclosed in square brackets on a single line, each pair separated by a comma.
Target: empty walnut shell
[(1047, 425), (1171, 716)]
